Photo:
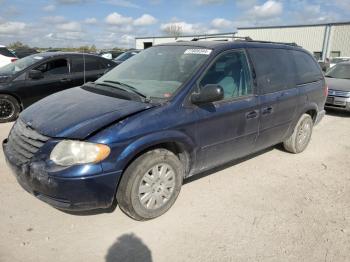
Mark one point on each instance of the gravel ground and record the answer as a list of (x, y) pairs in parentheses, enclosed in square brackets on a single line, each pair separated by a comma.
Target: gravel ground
[(274, 206)]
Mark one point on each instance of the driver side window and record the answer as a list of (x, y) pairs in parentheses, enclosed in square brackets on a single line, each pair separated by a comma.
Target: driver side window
[(54, 67), (231, 72)]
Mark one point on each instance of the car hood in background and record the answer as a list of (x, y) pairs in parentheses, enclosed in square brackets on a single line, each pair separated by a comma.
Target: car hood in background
[(4, 78), (77, 113), (338, 84)]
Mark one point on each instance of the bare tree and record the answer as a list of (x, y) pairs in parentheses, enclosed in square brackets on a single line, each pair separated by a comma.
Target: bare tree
[(174, 30)]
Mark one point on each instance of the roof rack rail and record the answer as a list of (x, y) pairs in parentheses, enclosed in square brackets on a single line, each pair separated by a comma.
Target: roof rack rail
[(245, 38), (272, 42), (233, 37)]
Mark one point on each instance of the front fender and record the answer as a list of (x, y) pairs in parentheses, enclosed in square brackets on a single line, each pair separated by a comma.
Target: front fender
[(151, 140)]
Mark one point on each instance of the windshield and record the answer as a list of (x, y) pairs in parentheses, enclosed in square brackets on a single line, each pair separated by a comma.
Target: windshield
[(125, 56), (158, 71), (338, 60), (339, 71), (19, 65)]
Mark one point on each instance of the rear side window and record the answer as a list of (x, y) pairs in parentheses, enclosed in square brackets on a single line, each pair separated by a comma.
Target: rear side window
[(274, 69), (5, 52), (91, 64), (306, 67)]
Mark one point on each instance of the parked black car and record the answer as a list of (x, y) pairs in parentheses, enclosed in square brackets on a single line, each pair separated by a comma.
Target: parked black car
[(24, 51), (34, 77)]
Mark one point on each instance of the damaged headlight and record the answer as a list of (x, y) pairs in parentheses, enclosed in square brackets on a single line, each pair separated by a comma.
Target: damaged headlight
[(69, 152)]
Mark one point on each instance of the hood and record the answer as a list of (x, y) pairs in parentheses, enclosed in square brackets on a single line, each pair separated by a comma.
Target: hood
[(76, 113), (338, 84)]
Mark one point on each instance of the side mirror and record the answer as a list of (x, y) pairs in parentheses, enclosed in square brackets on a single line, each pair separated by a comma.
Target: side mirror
[(209, 93), (35, 74)]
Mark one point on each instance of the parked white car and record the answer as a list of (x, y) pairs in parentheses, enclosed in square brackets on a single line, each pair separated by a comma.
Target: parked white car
[(6, 56)]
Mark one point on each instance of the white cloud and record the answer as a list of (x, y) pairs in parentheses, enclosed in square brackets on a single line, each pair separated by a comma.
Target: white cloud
[(117, 19), (65, 36), (122, 3), (9, 28), (90, 21), (221, 23), (144, 20), (269, 9), (69, 2), (49, 8), (54, 19), (69, 27)]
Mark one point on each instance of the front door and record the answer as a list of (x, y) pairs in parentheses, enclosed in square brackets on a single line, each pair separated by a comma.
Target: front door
[(227, 129), (56, 77)]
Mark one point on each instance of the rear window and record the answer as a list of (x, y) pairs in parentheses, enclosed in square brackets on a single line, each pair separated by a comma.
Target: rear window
[(274, 69), (5, 52), (307, 68), (91, 64)]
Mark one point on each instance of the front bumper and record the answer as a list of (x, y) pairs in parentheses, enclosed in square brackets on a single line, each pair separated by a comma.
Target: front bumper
[(338, 102), (76, 193)]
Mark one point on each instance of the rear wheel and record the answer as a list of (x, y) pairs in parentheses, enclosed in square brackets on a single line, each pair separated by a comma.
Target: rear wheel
[(150, 185), (9, 108), (301, 136)]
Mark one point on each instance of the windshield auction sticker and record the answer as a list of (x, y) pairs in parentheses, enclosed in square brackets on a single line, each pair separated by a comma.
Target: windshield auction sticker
[(198, 51), (38, 57)]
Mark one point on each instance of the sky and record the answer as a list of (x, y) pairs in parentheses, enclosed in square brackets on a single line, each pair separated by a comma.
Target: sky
[(116, 23)]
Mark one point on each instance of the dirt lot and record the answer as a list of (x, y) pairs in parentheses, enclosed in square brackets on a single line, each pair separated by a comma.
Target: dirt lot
[(272, 207)]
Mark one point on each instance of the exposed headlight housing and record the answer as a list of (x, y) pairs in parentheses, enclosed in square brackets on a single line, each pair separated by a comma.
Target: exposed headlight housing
[(70, 152)]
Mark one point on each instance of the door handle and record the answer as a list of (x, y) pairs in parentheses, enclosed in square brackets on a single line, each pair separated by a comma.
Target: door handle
[(267, 110), (252, 114)]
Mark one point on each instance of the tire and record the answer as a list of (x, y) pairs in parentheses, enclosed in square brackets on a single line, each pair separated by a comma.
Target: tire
[(145, 193), (9, 108), (301, 136)]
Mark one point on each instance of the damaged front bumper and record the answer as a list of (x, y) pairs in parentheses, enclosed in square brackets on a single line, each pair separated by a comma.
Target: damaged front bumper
[(76, 188)]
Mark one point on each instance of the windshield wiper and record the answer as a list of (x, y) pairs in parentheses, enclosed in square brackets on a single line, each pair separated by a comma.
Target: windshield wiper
[(129, 88)]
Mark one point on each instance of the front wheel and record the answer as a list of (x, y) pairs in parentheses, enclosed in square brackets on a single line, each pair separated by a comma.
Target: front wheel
[(301, 136), (150, 185), (9, 108)]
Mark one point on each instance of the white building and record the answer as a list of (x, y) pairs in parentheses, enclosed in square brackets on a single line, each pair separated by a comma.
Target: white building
[(324, 40)]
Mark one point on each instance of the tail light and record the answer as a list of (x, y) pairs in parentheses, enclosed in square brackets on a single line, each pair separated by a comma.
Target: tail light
[(13, 60), (326, 90)]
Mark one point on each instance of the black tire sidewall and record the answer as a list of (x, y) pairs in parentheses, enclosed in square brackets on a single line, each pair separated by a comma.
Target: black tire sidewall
[(134, 175), (301, 121), (16, 107)]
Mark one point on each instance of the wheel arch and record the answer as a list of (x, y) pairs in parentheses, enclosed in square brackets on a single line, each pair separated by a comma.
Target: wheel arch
[(175, 141)]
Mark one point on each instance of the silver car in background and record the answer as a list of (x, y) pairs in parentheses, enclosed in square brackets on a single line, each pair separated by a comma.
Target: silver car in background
[(338, 81)]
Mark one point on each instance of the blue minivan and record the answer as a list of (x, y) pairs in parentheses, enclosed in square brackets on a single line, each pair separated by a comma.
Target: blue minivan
[(172, 111)]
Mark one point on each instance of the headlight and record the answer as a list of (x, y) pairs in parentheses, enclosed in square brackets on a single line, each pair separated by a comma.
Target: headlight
[(68, 152)]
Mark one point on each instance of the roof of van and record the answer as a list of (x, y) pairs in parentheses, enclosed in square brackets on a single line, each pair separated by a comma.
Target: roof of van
[(231, 44)]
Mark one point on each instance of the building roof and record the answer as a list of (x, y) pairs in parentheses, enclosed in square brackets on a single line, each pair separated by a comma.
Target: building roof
[(299, 25), (200, 35)]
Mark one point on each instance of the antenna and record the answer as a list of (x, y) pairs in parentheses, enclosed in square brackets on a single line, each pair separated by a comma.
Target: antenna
[(84, 65)]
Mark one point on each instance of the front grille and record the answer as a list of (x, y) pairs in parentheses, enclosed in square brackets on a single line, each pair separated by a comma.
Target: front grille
[(333, 92), (24, 142)]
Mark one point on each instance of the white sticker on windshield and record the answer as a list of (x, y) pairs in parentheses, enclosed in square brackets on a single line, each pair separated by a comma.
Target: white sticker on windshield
[(198, 51), (38, 57)]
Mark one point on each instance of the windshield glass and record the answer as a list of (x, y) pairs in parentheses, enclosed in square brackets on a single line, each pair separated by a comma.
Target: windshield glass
[(339, 71), (158, 71), (126, 55), (19, 65), (338, 60)]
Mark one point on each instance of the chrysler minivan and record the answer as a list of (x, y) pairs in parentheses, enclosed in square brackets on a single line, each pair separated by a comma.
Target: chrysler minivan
[(168, 113)]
